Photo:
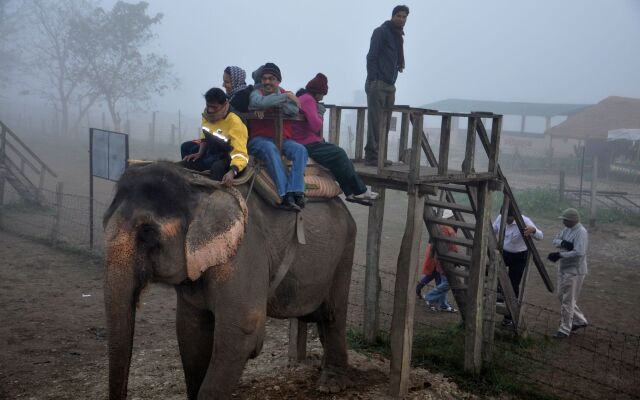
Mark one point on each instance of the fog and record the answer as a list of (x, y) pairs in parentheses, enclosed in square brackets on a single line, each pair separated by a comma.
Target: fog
[(572, 51)]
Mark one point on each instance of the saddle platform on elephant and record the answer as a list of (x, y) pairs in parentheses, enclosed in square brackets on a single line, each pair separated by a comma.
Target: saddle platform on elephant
[(318, 181)]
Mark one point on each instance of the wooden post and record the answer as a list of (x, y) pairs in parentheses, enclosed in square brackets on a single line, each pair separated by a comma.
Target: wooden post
[(445, 138), (561, 187), (278, 123), (360, 133), (404, 136), (371, 314), (297, 350), (594, 193), (490, 307), (3, 139), (473, 323), (40, 195), (521, 325), (404, 298), (470, 147), (496, 130), (55, 230), (335, 114)]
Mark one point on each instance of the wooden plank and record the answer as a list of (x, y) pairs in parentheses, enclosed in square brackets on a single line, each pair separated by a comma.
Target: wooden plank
[(361, 114), (454, 223), (455, 240), (416, 148), (55, 229), (404, 137), (445, 138), (335, 116), (455, 258), (470, 146), (504, 211), (473, 322), (488, 329), (404, 298), (451, 187), (594, 185), (521, 323), (297, 349), (278, 123), (371, 323), (383, 132), (450, 206), (496, 131)]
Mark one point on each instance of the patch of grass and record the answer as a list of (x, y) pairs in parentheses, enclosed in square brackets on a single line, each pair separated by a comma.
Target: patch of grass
[(442, 350)]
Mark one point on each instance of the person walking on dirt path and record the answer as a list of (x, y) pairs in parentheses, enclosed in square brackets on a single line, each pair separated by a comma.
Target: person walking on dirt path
[(515, 252), (573, 242), (385, 60)]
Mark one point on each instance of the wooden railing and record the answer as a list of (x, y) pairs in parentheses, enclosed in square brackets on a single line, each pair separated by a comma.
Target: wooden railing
[(16, 156)]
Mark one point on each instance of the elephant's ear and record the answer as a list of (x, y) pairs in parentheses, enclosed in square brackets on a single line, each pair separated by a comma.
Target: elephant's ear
[(215, 232)]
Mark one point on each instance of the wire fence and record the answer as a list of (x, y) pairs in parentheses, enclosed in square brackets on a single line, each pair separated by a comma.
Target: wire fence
[(595, 363)]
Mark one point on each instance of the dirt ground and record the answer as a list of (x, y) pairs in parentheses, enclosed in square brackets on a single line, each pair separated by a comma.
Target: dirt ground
[(52, 329)]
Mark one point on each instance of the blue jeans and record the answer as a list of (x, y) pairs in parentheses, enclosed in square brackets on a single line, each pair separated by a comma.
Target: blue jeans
[(265, 149), (438, 295)]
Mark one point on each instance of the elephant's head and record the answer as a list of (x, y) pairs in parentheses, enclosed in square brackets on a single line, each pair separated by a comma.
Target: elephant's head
[(163, 225)]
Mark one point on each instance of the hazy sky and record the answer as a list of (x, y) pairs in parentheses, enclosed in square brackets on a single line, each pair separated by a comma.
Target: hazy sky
[(574, 51)]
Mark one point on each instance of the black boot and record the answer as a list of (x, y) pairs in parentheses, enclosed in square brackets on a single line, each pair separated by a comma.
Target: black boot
[(289, 203), (299, 199)]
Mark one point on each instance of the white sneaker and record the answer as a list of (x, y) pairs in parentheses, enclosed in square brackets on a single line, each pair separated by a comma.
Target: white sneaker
[(368, 195)]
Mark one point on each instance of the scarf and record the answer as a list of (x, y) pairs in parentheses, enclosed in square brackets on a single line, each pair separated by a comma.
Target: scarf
[(398, 32), (238, 77), (217, 116)]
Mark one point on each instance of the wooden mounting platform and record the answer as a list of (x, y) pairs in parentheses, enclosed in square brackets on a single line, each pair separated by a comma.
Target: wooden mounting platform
[(399, 173)]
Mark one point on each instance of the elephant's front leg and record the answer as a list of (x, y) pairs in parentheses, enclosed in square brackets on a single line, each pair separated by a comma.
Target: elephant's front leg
[(238, 336), (195, 329)]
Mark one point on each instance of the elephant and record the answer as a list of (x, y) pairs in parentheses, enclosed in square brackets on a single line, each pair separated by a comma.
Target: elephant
[(221, 248)]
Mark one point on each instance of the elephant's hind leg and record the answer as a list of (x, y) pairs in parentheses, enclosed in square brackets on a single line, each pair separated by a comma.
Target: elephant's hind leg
[(195, 329)]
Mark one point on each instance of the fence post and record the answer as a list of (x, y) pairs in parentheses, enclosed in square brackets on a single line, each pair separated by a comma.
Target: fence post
[(3, 138), (55, 229), (561, 187)]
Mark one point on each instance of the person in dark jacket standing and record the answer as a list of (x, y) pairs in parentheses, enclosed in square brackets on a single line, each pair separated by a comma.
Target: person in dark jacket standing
[(384, 61)]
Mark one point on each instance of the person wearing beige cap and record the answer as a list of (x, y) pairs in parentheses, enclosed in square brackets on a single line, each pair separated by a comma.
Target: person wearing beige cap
[(573, 242)]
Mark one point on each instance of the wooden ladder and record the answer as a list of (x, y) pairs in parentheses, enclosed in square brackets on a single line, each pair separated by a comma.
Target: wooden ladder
[(456, 265), (20, 167)]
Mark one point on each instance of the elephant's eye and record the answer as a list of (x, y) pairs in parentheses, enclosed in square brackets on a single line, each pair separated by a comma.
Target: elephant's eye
[(148, 235)]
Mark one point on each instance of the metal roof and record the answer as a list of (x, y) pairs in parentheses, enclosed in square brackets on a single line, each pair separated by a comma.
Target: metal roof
[(506, 107)]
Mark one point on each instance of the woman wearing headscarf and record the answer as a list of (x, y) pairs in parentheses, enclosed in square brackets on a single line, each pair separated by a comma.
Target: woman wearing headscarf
[(329, 155), (234, 82)]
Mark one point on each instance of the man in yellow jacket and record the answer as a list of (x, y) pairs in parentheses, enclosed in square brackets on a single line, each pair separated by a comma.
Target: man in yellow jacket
[(223, 145)]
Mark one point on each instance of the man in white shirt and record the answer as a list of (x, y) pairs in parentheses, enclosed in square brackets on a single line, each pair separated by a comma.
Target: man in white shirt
[(515, 252)]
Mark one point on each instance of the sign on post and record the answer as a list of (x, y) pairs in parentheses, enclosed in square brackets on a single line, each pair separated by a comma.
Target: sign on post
[(108, 155)]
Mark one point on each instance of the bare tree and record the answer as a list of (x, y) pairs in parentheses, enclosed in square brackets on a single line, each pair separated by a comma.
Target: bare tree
[(62, 74), (9, 30), (111, 44)]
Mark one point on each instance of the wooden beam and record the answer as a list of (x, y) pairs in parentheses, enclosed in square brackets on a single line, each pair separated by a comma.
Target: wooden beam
[(335, 115), (473, 323), (416, 151), (371, 322), (496, 129), (361, 114), (470, 146), (594, 191), (445, 139), (488, 329), (404, 298), (404, 136), (383, 133), (297, 350)]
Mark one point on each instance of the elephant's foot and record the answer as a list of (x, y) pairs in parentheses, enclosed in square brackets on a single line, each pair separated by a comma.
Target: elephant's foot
[(333, 380)]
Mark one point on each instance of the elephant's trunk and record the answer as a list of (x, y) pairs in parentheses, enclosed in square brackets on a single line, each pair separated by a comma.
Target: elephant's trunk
[(121, 292)]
